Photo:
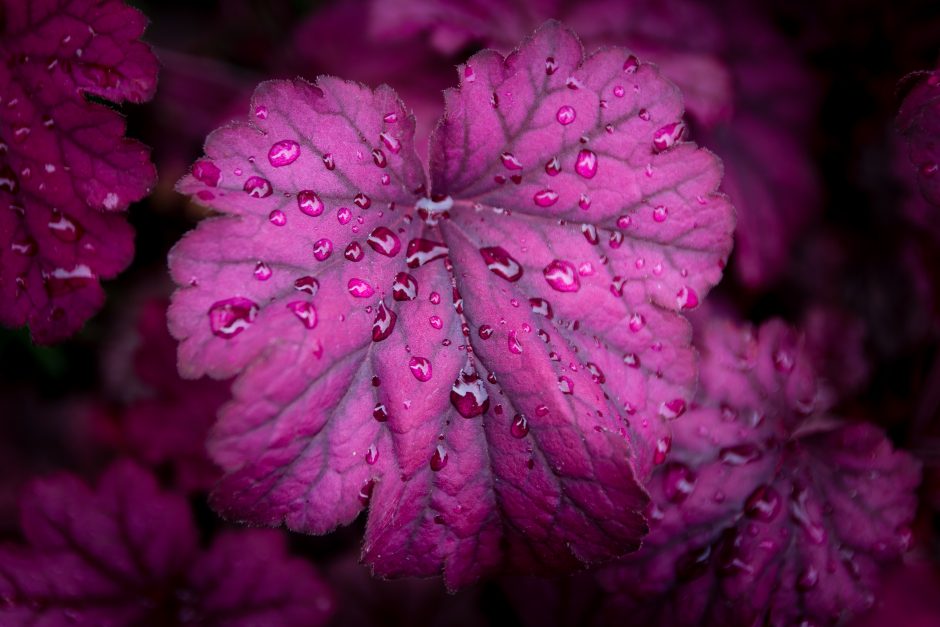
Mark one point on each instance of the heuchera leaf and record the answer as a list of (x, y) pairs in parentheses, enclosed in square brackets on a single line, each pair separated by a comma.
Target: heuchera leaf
[(764, 514), (488, 361), (919, 122), (127, 554), (66, 170)]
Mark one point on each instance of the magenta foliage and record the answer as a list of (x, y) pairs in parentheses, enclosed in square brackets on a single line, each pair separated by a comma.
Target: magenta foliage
[(128, 553), (442, 353), (66, 170), (919, 122), (767, 512)]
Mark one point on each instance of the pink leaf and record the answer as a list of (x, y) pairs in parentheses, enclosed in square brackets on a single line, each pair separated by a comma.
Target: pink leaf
[(919, 122), (762, 515), (66, 169), (453, 359), (127, 553)]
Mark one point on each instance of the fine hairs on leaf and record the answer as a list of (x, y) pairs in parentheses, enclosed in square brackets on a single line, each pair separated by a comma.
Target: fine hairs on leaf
[(485, 359)]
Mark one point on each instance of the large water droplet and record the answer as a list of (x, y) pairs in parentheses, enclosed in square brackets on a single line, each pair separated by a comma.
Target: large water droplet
[(362, 201), (384, 323), (586, 163), (359, 288), (258, 187), (420, 368), (562, 276), (229, 317), (501, 263), (309, 203), (305, 312), (421, 251), (468, 395), (284, 152), (383, 241)]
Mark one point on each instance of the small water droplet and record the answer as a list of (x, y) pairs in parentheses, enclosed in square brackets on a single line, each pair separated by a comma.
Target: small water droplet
[(545, 197), (309, 203), (515, 347), (261, 112), (469, 396), (207, 172), (307, 284), (277, 218), (329, 161), (553, 167), (322, 249), (670, 410), (262, 271), (619, 91), (763, 504), (739, 455), (390, 142), (354, 252), (438, 459), (586, 163), (421, 251), (636, 322), (501, 263), (380, 413), (359, 288), (519, 427), (663, 446), (631, 64), (384, 323), (550, 65), (383, 241), (566, 115), (668, 135), (660, 213), (372, 455), (686, 298)]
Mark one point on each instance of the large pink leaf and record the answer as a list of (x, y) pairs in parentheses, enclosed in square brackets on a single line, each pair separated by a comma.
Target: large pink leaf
[(66, 169), (489, 363), (127, 554), (761, 515), (919, 122)]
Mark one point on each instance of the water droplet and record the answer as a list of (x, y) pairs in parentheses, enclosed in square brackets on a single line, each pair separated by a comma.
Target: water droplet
[(519, 427), (305, 312), (784, 361), (322, 249), (262, 271), (562, 276), (510, 162), (354, 252), (693, 564), (383, 241), (365, 492), (27, 247), (20, 133), (390, 142), (619, 91), (800, 513), (328, 161), (359, 288), (545, 197), (678, 482), (586, 163), (553, 167), (372, 455), (668, 135), (566, 385), (380, 413), (404, 287), (615, 240), (763, 504), (542, 307), (485, 332), (929, 169), (550, 65), (670, 410), (660, 213), (309, 203), (686, 298), (631, 64), (644, 115), (584, 202), (636, 322), (277, 218), (421, 251), (739, 455), (590, 233), (515, 347), (307, 284), (501, 263), (420, 368), (384, 323), (229, 317), (207, 172), (378, 158), (624, 222), (438, 459), (663, 446), (258, 187), (261, 112), (343, 215), (64, 228), (284, 152), (468, 395), (808, 578), (362, 201), (566, 115), (597, 375)]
